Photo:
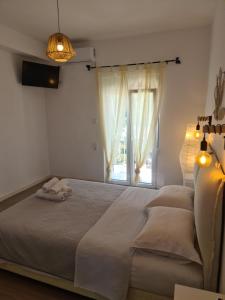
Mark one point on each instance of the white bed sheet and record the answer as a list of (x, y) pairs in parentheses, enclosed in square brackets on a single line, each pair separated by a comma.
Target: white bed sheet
[(157, 274)]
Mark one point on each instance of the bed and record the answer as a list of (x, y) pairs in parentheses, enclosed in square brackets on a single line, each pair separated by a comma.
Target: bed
[(54, 242)]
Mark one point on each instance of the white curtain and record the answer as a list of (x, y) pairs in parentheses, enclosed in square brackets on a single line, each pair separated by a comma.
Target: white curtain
[(113, 99), (147, 82), (140, 89)]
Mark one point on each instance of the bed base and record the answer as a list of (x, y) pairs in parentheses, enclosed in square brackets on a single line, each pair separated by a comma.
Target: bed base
[(133, 294)]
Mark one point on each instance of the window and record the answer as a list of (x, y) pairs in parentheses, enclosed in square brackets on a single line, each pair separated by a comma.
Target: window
[(129, 106), (124, 165)]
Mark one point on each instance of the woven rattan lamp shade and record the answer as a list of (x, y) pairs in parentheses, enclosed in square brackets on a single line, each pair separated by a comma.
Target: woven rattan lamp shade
[(54, 53)]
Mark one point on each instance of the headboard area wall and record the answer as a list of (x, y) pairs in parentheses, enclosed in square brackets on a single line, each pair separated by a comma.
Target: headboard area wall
[(217, 60)]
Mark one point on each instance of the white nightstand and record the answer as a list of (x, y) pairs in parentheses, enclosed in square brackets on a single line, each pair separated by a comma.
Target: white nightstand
[(187, 293)]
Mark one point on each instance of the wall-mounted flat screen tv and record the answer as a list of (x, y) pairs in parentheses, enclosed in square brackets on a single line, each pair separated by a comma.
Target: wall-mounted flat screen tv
[(40, 75)]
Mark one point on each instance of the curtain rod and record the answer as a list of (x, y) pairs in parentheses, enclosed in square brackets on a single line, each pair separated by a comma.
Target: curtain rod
[(176, 61)]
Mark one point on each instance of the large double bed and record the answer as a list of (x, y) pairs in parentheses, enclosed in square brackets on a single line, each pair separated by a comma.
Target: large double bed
[(83, 244)]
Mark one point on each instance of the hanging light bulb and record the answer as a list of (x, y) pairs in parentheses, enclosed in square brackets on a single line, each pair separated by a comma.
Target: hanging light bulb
[(203, 159), (197, 134), (197, 131), (59, 46)]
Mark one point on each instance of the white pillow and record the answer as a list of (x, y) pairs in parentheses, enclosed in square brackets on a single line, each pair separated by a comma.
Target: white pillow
[(169, 232), (174, 196)]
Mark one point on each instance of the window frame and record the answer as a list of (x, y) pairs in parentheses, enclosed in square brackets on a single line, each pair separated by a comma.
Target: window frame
[(130, 156)]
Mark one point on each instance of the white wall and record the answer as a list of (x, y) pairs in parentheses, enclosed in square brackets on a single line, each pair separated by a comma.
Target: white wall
[(21, 43), (23, 131), (71, 112), (73, 108), (217, 60)]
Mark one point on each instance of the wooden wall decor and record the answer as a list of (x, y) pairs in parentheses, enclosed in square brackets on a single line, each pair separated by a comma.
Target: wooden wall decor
[(219, 111)]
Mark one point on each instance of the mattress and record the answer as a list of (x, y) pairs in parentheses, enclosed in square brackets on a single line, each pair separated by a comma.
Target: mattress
[(43, 235), (158, 275)]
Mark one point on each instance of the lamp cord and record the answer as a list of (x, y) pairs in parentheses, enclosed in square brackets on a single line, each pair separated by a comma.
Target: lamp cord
[(58, 15)]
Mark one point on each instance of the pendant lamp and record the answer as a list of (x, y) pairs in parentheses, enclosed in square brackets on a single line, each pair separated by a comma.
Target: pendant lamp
[(59, 46)]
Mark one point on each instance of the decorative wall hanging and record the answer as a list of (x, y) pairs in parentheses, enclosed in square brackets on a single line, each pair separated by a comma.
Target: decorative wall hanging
[(203, 159), (219, 111)]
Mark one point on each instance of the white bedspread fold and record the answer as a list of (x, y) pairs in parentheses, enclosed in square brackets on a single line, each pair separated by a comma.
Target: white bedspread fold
[(103, 257)]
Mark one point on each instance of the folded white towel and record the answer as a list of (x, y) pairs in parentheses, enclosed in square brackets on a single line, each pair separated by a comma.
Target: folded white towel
[(61, 196), (60, 187), (67, 189), (47, 186)]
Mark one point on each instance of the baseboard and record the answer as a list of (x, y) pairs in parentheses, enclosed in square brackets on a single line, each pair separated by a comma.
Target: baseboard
[(80, 178), (19, 190)]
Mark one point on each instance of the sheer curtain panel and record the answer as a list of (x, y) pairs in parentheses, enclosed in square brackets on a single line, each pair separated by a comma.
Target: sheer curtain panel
[(113, 99), (147, 82)]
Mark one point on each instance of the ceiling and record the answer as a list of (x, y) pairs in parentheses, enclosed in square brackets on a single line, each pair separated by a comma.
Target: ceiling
[(101, 19)]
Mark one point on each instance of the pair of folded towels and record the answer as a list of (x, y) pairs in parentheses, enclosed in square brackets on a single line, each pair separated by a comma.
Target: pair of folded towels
[(54, 189)]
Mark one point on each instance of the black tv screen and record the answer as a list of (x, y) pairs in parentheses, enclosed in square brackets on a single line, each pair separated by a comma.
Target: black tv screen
[(40, 75)]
